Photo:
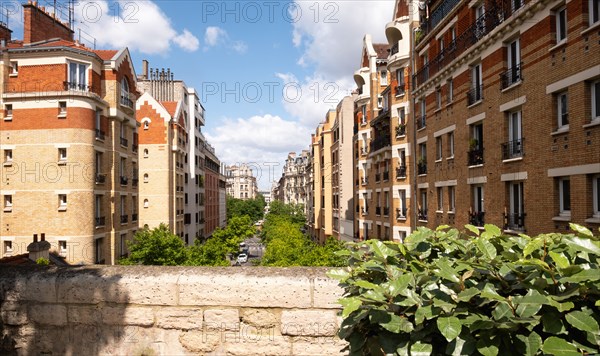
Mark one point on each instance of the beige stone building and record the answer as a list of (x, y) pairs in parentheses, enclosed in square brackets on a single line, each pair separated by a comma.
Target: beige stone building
[(241, 182), (68, 139)]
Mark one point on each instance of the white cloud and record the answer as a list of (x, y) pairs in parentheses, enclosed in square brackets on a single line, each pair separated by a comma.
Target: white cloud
[(263, 141), (214, 35), (140, 25)]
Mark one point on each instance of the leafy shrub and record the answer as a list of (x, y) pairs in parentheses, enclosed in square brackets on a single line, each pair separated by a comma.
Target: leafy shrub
[(446, 292), (42, 261)]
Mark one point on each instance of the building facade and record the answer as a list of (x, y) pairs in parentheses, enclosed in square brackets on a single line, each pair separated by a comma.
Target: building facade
[(241, 183), (68, 143), (507, 105)]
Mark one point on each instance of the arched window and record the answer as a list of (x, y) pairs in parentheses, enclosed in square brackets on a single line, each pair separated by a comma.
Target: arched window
[(146, 178), (145, 152), (146, 203), (125, 101)]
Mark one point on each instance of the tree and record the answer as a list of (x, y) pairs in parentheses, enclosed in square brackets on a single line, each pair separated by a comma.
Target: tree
[(158, 246), (294, 211), (254, 208)]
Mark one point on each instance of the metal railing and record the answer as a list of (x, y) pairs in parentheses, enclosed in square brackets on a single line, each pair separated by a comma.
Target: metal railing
[(400, 130), (386, 175), (511, 76), (401, 213), (477, 218), (422, 214), (124, 142), (514, 221), (401, 171), (377, 177), (421, 168), (124, 219), (76, 86), (380, 142), (513, 149), (100, 178), (386, 211), (123, 180), (125, 101), (134, 217), (100, 134), (475, 156), (421, 122), (377, 210), (100, 221), (475, 94)]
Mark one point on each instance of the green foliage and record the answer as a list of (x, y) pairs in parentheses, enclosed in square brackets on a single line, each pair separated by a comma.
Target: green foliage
[(254, 208), (158, 246), (42, 261), (223, 242), (286, 245), (446, 292)]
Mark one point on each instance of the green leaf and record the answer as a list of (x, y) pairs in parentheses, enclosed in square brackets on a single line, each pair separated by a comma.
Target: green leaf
[(467, 294), (561, 307), (492, 229), (339, 274), (473, 229), (367, 285), (349, 304), (583, 244), (419, 348), (582, 321), (442, 227), (490, 293), (581, 230), (488, 347), (446, 271), (399, 284), (552, 323), (398, 324), (559, 347), (559, 259), (534, 245), (381, 250), (583, 276), (486, 247), (533, 342), (374, 295), (449, 327), (529, 304), (501, 310)]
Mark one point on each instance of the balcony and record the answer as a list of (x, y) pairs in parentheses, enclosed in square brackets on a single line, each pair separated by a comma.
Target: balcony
[(477, 218), (400, 130), (134, 147), (378, 210), (386, 211), (386, 176), (100, 221), (134, 217), (126, 101), (400, 213), (422, 168), (380, 142), (422, 214), (100, 134), (394, 48), (124, 142), (100, 178), (513, 149), (123, 180), (124, 219), (364, 181), (134, 182), (511, 76), (475, 156), (364, 151), (474, 95), (377, 177), (400, 90), (514, 221), (421, 122), (76, 86), (401, 172)]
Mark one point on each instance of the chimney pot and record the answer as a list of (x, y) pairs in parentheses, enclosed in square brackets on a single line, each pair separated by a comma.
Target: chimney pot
[(43, 236), (34, 237)]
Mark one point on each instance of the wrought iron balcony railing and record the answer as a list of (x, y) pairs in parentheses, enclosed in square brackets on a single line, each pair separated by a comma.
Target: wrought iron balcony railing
[(134, 217), (365, 210), (400, 130), (514, 221), (123, 180), (76, 86), (124, 142), (422, 168), (511, 76), (401, 172), (422, 214), (421, 122), (386, 175), (401, 213), (386, 211), (513, 149), (124, 219), (100, 221), (378, 210), (100, 134), (475, 156), (380, 142), (125, 101), (475, 94), (364, 181), (477, 218), (100, 178)]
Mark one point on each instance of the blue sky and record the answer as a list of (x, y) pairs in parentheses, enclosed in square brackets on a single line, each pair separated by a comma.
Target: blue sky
[(267, 71)]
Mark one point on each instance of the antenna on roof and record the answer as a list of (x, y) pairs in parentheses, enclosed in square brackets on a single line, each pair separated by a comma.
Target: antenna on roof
[(71, 17)]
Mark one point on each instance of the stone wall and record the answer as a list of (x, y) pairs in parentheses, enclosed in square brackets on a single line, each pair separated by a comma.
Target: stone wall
[(135, 310)]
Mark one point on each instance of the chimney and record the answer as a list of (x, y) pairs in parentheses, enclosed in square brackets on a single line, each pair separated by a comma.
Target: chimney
[(5, 33), (40, 26), (39, 249), (144, 69)]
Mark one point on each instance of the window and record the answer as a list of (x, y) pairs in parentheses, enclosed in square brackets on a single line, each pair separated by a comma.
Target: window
[(146, 204), (513, 61), (14, 68), (561, 24), (596, 195), (146, 124), (401, 81), (450, 95), (8, 203), (8, 157), (440, 199), (98, 250), (438, 98), (364, 114), (98, 207), (438, 148), (401, 213), (384, 80), (451, 145), (78, 78), (62, 202), (8, 248), (516, 4), (62, 154), (514, 146), (475, 154), (8, 112), (145, 153), (515, 219), (562, 111), (451, 199), (480, 21), (478, 207), (423, 208), (62, 248), (564, 197), (595, 92), (594, 11), (62, 108), (379, 101), (476, 92), (123, 244), (441, 46)]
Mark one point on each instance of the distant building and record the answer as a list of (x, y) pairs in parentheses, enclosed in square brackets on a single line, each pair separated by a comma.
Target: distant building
[(241, 183)]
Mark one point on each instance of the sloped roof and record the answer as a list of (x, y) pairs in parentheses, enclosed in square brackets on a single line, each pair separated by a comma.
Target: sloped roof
[(106, 54), (170, 106)]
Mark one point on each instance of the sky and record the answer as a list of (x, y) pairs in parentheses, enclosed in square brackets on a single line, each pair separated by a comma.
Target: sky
[(266, 72)]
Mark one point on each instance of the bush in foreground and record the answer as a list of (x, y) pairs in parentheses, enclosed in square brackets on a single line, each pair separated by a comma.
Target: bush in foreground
[(445, 292)]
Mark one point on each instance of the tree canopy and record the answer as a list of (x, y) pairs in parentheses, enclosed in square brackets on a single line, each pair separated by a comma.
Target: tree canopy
[(254, 208), (158, 246)]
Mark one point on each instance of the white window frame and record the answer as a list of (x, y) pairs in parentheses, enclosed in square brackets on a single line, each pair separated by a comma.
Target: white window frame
[(439, 149), (423, 198), (14, 68), (8, 247), (478, 198), (594, 11), (8, 108), (62, 202), (451, 199), (79, 86), (438, 98), (595, 97), (450, 145), (62, 248), (62, 154), (562, 111), (402, 199), (440, 199), (596, 196), (8, 202), (8, 157), (98, 206), (450, 95), (560, 15), (562, 209), (383, 76), (62, 109)]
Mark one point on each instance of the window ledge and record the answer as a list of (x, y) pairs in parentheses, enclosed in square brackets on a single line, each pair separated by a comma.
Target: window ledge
[(451, 212), (400, 95), (62, 162), (513, 231), (13, 74), (400, 136), (592, 28), (422, 128), (439, 211), (422, 175), (403, 218), (449, 103), (450, 158), (423, 221), (8, 118), (593, 220), (7, 210), (438, 109), (7, 164), (562, 218), (592, 123), (62, 208), (562, 130), (439, 160), (62, 116), (476, 166), (475, 104), (512, 159), (513, 85), (558, 45)]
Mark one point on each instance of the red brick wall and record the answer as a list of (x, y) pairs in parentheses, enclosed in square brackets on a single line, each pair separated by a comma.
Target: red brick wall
[(40, 26), (157, 131), (46, 119)]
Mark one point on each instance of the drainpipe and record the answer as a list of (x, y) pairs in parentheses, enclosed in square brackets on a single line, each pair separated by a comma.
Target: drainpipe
[(414, 174)]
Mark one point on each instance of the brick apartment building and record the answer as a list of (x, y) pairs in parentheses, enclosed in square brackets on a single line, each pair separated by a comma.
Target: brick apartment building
[(68, 139), (507, 112)]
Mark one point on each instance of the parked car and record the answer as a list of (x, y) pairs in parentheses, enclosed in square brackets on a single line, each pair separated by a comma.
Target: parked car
[(242, 258)]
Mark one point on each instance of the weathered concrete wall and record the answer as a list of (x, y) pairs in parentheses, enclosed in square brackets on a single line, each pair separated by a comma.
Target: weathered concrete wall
[(169, 311)]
